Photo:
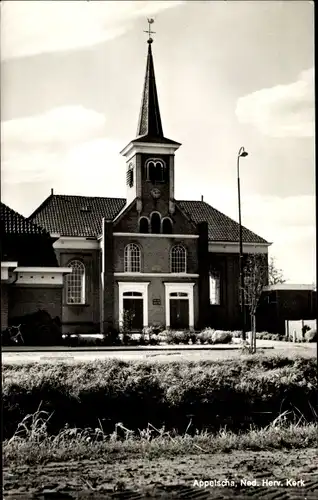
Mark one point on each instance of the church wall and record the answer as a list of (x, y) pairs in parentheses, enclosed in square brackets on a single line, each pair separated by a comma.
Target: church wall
[(227, 314), (82, 318), (156, 293), (155, 253), (29, 299), (130, 220), (4, 306)]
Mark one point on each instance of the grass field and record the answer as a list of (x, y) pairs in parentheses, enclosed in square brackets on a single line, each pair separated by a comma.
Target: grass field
[(109, 426)]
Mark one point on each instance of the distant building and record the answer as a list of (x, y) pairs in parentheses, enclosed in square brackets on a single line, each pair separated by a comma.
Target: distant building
[(285, 302), (166, 261)]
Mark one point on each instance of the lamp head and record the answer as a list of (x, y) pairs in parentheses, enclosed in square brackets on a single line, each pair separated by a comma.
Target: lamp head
[(242, 153)]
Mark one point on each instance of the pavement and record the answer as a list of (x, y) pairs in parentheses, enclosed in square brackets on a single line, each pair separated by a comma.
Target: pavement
[(26, 354)]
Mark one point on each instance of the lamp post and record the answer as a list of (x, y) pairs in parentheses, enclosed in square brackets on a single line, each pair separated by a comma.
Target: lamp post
[(241, 154)]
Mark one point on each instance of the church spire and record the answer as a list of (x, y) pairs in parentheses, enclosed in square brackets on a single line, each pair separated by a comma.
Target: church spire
[(149, 125)]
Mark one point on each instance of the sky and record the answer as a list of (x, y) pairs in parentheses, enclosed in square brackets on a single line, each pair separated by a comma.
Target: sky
[(229, 74)]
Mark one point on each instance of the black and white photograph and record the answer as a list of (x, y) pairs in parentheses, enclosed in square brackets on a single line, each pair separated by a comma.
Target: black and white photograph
[(158, 250)]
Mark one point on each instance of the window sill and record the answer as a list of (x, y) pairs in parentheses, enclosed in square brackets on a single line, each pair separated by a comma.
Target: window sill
[(65, 304)]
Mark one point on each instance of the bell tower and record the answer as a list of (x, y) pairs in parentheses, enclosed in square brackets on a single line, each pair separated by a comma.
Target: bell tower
[(150, 156)]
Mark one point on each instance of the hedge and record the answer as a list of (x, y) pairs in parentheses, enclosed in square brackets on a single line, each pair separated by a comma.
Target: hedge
[(210, 393)]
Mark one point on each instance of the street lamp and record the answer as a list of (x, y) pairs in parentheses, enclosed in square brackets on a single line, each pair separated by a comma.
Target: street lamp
[(241, 154)]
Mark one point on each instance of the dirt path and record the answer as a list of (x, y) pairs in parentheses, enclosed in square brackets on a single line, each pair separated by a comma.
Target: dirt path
[(170, 478)]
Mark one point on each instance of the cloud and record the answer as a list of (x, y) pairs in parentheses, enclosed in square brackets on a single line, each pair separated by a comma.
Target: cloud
[(66, 145), (81, 169), (289, 223), (33, 27), (283, 110), (66, 125)]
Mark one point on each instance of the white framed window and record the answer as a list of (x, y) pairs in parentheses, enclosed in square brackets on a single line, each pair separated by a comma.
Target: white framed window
[(75, 283), (155, 170), (132, 258), (178, 259), (215, 288)]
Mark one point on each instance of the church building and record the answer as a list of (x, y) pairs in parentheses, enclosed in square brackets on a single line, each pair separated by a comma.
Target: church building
[(159, 260)]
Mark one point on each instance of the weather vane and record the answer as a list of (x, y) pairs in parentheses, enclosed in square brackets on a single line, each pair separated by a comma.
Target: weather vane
[(150, 21)]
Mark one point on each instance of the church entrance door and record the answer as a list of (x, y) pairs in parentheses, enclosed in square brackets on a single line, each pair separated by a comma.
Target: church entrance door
[(179, 313), (133, 313)]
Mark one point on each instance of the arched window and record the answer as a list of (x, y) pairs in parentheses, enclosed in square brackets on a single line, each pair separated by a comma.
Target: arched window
[(178, 259), (132, 258), (75, 283), (155, 223), (155, 170), (166, 226), (143, 225)]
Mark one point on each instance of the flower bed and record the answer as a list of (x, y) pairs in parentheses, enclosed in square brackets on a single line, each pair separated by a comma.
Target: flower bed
[(153, 336)]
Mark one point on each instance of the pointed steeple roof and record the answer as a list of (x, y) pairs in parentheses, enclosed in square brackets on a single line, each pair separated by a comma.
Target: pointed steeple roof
[(149, 118), (149, 125)]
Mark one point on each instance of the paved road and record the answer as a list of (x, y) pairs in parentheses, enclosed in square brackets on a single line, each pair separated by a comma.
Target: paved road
[(153, 354)]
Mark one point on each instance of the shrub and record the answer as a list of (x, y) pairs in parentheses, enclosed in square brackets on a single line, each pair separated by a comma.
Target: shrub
[(205, 336), (163, 336), (210, 336), (311, 335), (221, 337), (237, 334)]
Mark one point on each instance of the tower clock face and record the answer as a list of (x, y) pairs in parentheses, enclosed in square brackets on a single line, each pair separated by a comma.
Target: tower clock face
[(155, 193)]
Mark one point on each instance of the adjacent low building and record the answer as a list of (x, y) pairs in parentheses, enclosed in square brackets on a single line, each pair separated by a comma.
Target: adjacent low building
[(31, 278)]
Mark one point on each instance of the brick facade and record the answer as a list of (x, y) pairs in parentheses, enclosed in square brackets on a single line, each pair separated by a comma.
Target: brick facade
[(26, 300), (4, 307), (82, 317)]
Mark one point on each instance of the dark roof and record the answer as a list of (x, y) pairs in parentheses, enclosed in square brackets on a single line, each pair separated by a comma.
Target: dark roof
[(221, 227), (23, 241), (14, 223), (76, 215), (82, 216), (149, 125)]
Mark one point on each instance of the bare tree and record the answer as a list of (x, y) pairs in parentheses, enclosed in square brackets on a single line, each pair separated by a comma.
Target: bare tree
[(257, 274), (275, 275)]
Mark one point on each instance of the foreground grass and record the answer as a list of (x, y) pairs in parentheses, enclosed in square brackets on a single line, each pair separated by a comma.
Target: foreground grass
[(32, 444), (211, 394)]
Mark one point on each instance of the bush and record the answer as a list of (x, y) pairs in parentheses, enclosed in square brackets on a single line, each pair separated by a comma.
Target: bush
[(210, 336), (221, 337), (311, 335)]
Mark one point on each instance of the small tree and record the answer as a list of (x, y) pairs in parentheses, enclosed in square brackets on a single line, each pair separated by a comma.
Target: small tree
[(127, 324), (257, 274)]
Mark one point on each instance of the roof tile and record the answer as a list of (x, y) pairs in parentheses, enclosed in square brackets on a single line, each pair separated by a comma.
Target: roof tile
[(12, 222), (82, 216)]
